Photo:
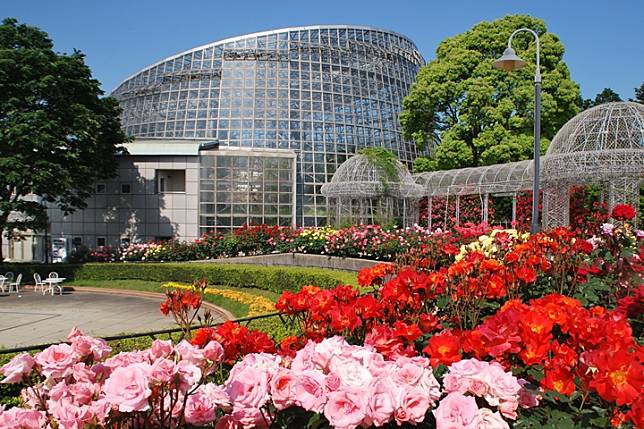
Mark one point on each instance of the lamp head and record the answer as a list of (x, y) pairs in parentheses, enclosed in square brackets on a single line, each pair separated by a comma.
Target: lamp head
[(509, 61)]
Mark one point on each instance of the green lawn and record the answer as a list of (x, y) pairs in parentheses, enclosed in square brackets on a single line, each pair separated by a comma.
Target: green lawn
[(236, 308)]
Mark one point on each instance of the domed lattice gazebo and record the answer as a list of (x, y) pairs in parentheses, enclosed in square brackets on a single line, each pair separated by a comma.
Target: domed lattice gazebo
[(363, 192), (603, 145), (600, 146)]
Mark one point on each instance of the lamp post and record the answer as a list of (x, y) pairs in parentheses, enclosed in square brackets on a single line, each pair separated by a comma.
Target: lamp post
[(510, 61)]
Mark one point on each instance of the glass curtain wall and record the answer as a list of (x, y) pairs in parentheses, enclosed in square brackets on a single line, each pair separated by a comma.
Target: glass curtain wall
[(245, 188), (323, 92)]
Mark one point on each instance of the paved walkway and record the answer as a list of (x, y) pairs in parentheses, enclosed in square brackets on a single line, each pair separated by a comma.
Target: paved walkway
[(31, 318)]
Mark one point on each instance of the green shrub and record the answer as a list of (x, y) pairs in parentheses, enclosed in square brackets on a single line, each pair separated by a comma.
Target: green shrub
[(274, 279), (28, 270)]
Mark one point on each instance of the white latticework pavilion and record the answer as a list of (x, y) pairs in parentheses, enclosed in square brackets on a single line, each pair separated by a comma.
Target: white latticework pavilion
[(361, 192), (602, 146)]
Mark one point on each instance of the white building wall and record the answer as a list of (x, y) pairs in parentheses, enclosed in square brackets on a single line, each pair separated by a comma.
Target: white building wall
[(143, 214)]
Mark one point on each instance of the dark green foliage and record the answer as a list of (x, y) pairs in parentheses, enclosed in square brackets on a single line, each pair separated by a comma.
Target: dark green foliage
[(58, 135), (606, 96), (639, 94)]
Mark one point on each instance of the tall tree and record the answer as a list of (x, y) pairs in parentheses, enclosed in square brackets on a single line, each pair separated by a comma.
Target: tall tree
[(639, 94), (606, 96), (57, 135), (466, 113)]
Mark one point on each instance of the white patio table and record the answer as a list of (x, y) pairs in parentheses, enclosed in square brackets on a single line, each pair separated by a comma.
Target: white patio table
[(51, 283)]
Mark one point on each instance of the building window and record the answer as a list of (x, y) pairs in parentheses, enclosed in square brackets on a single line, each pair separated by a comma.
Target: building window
[(125, 188), (77, 241), (100, 241), (170, 181), (100, 188)]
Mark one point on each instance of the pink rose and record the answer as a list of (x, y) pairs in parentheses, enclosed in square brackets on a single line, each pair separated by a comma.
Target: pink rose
[(17, 368), (350, 372), (381, 402), (430, 385), (69, 415), (160, 349), (200, 409), (214, 352), (283, 389), (83, 392), (18, 418), (489, 420), (100, 409), (247, 386), (128, 387), (332, 382), (189, 375), (503, 385), (59, 391), (190, 353), (163, 370), (408, 373), (346, 408), (75, 332), (468, 367), (82, 372), (325, 350), (85, 346), (217, 394), (249, 418), (456, 411), (411, 405), (126, 358), (509, 408), (310, 390), (56, 360), (527, 397), (456, 383), (303, 359)]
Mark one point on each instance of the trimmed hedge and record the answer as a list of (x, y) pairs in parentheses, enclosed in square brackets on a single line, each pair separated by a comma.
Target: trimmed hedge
[(27, 270), (271, 278)]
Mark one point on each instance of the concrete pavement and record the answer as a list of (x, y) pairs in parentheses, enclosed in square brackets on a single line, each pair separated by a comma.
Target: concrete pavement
[(31, 318)]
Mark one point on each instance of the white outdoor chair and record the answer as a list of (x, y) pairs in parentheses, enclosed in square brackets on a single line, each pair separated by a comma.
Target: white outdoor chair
[(53, 275), (9, 276), (2, 282), (38, 283), (16, 284)]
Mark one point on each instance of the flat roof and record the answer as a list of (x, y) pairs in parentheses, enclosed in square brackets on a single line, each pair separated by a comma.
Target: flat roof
[(164, 147)]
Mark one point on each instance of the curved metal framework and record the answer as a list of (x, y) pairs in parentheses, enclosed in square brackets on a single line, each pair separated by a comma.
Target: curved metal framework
[(603, 145), (360, 192), (323, 91)]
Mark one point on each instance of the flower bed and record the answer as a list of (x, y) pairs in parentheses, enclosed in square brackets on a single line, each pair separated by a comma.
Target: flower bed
[(504, 330), (362, 241)]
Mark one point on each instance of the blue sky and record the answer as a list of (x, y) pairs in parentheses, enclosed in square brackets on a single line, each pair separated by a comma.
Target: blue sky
[(604, 39)]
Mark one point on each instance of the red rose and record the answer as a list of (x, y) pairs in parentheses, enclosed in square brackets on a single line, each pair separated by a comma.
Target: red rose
[(623, 212)]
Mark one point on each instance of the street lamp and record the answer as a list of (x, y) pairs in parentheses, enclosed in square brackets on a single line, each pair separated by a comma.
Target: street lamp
[(510, 61)]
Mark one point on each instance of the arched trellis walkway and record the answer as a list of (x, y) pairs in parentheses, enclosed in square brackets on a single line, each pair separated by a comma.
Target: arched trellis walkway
[(360, 192), (603, 146)]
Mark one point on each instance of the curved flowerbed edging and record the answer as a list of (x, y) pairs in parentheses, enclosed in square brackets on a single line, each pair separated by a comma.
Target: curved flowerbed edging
[(216, 310), (298, 260)]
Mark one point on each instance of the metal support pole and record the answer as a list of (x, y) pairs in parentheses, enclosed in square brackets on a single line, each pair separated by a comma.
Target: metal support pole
[(514, 208), (429, 212), (486, 205), (537, 151), (458, 210)]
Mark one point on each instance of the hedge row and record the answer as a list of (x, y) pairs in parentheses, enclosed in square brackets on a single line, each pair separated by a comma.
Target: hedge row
[(274, 279)]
